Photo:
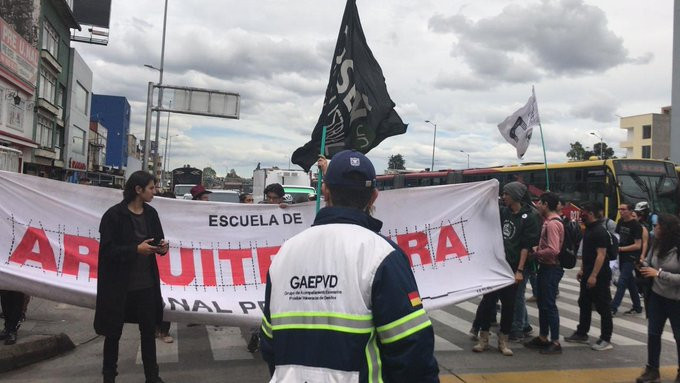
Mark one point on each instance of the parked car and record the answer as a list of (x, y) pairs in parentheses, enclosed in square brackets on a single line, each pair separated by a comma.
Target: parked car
[(218, 195)]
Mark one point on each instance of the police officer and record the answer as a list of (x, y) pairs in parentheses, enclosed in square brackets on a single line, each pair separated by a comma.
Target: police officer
[(341, 302)]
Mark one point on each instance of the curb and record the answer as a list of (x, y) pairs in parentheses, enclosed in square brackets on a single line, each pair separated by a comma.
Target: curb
[(34, 349)]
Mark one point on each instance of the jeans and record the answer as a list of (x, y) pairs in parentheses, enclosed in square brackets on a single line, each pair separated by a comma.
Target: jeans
[(520, 318), (548, 281), (659, 310), (143, 303), (601, 297), (626, 281), (12, 306), (487, 308), (533, 282)]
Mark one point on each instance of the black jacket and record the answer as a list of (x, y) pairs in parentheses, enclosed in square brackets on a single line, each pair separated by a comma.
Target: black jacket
[(117, 248)]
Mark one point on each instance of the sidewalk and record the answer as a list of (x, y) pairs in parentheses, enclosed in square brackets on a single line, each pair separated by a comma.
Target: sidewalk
[(601, 375), (50, 329)]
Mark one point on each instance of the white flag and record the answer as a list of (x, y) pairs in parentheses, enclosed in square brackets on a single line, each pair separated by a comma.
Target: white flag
[(517, 128)]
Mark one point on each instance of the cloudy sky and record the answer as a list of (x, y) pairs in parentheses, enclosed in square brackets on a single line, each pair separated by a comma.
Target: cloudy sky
[(462, 64)]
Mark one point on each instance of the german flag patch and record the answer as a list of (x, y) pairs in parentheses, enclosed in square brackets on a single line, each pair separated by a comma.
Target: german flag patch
[(414, 297)]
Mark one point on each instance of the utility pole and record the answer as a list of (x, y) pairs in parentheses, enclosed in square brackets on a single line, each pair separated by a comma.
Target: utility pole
[(160, 89)]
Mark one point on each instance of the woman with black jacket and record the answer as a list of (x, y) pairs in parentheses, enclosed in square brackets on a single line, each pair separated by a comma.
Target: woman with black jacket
[(662, 267), (128, 284)]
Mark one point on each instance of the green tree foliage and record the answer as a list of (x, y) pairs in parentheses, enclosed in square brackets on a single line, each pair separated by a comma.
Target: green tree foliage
[(579, 153), (396, 162)]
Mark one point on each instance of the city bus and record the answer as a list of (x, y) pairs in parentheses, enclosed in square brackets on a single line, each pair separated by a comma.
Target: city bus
[(611, 182)]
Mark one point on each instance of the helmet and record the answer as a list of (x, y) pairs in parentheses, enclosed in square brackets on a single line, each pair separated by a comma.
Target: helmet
[(287, 198), (642, 206)]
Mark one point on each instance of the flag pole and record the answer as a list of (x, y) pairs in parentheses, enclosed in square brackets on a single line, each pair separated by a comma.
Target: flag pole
[(319, 177), (545, 158)]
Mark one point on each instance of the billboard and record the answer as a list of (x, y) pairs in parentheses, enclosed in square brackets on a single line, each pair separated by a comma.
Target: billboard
[(18, 58), (205, 102), (92, 12)]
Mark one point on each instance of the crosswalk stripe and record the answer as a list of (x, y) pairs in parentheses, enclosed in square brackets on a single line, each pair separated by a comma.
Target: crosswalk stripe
[(165, 352), (227, 343), (568, 323), (441, 344), (618, 322)]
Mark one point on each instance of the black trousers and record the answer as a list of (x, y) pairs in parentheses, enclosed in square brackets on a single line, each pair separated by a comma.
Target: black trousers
[(12, 307), (143, 304), (487, 308), (601, 297)]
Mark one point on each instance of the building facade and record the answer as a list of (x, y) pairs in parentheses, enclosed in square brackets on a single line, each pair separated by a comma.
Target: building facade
[(114, 113), (76, 142), (54, 67), (18, 80), (648, 135)]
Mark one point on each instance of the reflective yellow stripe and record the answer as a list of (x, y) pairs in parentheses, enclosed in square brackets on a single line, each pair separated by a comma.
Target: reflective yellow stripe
[(403, 327), (267, 328), (373, 360), (355, 324), (322, 314), (321, 327), (401, 320)]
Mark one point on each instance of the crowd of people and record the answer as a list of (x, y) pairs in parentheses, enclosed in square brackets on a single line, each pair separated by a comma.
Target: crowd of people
[(378, 324)]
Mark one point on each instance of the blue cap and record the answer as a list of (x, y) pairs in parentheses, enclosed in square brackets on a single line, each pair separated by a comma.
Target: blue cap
[(347, 162)]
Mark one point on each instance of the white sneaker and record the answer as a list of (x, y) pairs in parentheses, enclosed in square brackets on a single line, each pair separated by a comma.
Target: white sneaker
[(602, 345)]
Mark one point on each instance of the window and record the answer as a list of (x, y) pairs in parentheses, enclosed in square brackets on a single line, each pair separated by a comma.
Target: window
[(80, 98), (50, 39), (58, 141), (78, 140), (15, 118), (646, 151), (646, 132), (48, 83), (43, 132)]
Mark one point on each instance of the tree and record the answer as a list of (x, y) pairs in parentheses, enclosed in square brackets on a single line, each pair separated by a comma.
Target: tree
[(607, 152), (232, 174), (396, 162), (577, 152)]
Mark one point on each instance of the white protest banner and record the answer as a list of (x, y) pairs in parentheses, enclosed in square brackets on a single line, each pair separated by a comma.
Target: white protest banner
[(220, 253)]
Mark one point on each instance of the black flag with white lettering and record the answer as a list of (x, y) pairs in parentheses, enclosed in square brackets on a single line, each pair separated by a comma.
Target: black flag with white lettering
[(357, 111)]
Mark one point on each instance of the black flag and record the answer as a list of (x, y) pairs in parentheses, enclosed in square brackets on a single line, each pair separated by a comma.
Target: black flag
[(357, 111)]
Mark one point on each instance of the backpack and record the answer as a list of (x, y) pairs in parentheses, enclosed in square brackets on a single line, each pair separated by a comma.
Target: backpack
[(612, 247), (570, 243)]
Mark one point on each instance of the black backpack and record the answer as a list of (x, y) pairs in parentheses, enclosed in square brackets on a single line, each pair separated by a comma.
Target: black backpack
[(612, 247), (570, 243)]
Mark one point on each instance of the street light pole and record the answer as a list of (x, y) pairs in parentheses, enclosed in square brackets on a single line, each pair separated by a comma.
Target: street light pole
[(434, 140), (160, 89), (600, 137), (165, 154), (468, 157)]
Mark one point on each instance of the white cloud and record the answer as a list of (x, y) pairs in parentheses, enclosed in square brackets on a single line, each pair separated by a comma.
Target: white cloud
[(464, 65)]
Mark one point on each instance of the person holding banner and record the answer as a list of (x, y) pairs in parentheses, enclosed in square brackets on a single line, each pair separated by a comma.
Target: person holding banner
[(128, 283), (521, 232), (341, 301)]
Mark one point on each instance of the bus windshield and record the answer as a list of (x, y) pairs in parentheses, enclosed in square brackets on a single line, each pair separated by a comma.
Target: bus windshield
[(654, 182)]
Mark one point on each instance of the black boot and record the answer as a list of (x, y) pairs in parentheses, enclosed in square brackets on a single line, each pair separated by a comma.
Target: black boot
[(110, 376), (11, 337), (650, 375), (155, 380)]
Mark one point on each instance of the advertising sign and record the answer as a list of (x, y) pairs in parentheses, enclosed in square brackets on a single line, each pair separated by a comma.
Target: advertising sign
[(18, 58)]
